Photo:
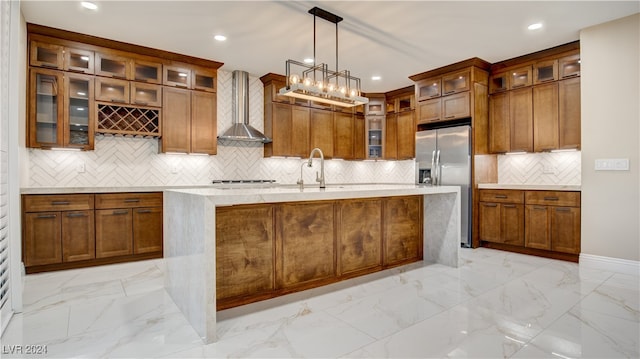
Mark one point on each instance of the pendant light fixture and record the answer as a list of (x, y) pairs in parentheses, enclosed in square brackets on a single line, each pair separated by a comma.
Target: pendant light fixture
[(316, 82)]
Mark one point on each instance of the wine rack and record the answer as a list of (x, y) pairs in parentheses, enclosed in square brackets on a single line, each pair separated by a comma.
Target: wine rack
[(136, 121)]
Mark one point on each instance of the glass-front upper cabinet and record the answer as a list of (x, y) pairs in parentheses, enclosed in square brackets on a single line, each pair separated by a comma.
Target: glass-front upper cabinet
[(79, 111), (147, 71), (46, 55), (112, 90), (498, 82), (204, 79), (545, 71), (178, 76), (521, 77), (45, 108), (374, 136), (112, 66), (454, 83), (79, 60), (146, 94), (429, 88), (569, 66)]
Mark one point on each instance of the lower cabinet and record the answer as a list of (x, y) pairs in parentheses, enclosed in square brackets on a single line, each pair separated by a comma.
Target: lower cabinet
[(57, 229), (123, 221), (73, 230), (537, 222), (267, 250)]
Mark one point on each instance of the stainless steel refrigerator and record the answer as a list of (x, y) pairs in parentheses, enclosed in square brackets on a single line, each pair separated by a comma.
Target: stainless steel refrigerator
[(443, 157)]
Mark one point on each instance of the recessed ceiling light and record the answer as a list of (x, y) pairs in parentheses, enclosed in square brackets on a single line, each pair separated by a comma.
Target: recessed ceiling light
[(535, 26), (308, 60), (376, 78), (220, 37), (89, 5)]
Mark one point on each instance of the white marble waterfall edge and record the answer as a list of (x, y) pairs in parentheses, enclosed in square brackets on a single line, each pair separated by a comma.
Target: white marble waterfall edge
[(189, 235)]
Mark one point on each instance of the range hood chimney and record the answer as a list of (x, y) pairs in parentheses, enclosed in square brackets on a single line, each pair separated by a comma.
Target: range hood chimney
[(240, 129)]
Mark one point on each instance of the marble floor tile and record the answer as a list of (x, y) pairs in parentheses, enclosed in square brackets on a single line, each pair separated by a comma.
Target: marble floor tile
[(495, 304)]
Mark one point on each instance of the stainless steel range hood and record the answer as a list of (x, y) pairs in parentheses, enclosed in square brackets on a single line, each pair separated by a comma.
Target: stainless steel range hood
[(241, 130)]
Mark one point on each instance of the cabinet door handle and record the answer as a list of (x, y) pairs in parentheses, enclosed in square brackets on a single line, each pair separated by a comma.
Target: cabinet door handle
[(547, 80), (450, 116), (490, 204), (500, 196), (76, 71), (436, 95), (131, 200), (448, 92), (518, 85), (119, 77), (572, 75), (72, 215), (117, 213), (47, 216), (59, 203), (144, 211), (118, 100), (539, 208), (563, 209), (51, 66), (551, 198), (182, 86), (509, 205)]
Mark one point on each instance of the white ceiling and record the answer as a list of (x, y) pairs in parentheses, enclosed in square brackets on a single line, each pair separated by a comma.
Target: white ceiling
[(392, 39)]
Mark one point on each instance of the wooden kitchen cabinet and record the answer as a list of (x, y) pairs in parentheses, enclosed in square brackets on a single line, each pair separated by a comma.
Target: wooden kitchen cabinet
[(359, 138), (521, 120), (520, 77), (456, 82), (144, 94), (301, 262), (359, 235), (390, 144), (406, 134), (501, 216), (545, 71), (430, 111), (245, 249), (53, 56), (189, 121), (545, 223), (402, 229), (128, 223), (61, 110), (289, 130), (57, 229), (177, 76), (569, 117), (204, 79), (112, 90), (499, 123), (112, 65), (343, 136), (456, 106), (428, 89), (147, 71), (545, 117), (321, 131)]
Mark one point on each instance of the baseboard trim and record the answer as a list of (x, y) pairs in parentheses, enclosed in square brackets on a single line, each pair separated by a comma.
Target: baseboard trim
[(610, 264)]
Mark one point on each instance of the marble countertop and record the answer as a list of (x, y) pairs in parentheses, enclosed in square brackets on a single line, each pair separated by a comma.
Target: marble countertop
[(70, 190), (291, 193), (533, 187)]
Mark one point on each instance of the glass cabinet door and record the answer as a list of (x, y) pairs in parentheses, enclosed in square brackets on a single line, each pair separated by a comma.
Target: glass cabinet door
[(112, 66), (46, 55), (79, 111), (177, 76), (454, 83), (391, 105), (521, 77), (78, 60), (406, 103), (204, 80), (374, 137), (146, 71), (545, 71), (112, 90), (498, 82), (146, 94), (569, 66), (429, 88), (45, 110)]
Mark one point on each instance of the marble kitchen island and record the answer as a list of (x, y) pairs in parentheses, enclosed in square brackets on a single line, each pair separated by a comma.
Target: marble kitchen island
[(190, 233)]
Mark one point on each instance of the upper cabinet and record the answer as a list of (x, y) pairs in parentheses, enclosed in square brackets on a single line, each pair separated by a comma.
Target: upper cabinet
[(534, 103), (79, 88)]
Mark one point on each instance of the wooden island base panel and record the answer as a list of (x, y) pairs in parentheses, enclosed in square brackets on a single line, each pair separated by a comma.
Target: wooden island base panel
[(226, 248)]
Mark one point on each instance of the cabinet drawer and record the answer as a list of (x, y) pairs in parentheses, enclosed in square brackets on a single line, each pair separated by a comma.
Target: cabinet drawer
[(553, 198), (57, 202), (128, 200), (501, 196)]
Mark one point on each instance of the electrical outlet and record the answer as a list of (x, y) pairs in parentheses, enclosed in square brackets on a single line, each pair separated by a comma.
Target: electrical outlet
[(80, 167), (174, 169), (549, 170)]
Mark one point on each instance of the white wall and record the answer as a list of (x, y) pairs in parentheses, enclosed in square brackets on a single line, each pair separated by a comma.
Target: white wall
[(610, 56)]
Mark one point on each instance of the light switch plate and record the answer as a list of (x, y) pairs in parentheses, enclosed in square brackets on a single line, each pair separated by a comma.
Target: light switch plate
[(612, 164)]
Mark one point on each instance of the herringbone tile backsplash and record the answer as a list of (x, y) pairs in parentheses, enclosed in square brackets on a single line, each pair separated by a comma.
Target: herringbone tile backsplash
[(540, 168), (125, 161)]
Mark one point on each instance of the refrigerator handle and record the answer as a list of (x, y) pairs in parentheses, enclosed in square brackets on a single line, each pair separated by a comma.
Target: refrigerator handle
[(438, 167), (433, 174)]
